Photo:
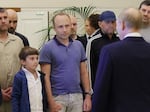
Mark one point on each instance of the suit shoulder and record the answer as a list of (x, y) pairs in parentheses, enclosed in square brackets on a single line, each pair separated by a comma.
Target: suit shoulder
[(20, 74), (19, 34), (115, 45)]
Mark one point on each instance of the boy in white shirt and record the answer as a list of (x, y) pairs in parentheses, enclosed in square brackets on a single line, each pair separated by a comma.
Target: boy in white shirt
[(28, 88)]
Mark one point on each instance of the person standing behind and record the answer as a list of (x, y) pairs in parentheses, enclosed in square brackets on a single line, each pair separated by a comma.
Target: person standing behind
[(10, 46), (91, 28), (13, 19), (62, 59), (145, 11), (29, 93), (122, 79), (74, 27), (107, 24)]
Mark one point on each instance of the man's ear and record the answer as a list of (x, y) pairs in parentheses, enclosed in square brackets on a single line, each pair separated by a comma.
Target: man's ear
[(123, 25), (100, 24), (22, 62)]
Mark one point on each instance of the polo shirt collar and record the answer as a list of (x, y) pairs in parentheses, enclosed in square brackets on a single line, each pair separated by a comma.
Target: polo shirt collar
[(59, 43)]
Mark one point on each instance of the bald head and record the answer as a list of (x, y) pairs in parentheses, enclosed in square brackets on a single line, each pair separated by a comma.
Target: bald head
[(132, 18), (73, 26), (129, 20), (12, 16)]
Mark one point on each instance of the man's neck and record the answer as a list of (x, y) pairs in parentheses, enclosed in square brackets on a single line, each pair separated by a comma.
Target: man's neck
[(63, 41), (74, 36), (145, 25), (3, 35)]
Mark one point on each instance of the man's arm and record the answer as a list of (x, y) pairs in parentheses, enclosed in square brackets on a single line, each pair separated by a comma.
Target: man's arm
[(102, 86), (86, 86), (46, 68)]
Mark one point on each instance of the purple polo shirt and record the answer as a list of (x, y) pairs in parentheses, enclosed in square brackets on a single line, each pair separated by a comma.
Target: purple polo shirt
[(65, 65)]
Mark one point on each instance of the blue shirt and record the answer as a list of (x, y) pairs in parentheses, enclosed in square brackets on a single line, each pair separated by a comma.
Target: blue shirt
[(65, 65)]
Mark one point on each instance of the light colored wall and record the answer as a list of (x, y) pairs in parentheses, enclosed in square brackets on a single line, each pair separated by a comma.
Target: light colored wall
[(65, 3), (53, 5)]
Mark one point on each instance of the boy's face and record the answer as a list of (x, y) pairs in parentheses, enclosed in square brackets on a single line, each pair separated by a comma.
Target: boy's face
[(30, 63)]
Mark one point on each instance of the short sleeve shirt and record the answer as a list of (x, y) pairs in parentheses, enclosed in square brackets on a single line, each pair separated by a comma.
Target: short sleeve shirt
[(65, 65)]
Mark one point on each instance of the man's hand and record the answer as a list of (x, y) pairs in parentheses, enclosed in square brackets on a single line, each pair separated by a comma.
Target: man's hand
[(6, 94), (55, 107), (87, 105)]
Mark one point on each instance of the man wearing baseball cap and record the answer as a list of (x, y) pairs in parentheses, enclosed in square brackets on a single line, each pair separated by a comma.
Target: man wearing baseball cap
[(107, 24)]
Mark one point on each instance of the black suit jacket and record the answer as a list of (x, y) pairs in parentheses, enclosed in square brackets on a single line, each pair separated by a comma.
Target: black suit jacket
[(123, 77), (23, 38), (83, 40)]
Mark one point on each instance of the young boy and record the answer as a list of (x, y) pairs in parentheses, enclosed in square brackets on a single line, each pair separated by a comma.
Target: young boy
[(28, 88)]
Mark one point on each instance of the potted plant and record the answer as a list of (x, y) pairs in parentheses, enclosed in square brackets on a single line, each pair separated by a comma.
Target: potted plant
[(83, 12)]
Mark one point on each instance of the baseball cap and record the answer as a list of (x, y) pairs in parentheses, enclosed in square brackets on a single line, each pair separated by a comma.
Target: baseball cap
[(107, 16)]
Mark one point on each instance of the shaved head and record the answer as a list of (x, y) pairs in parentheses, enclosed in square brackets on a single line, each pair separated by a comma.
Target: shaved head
[(12, 12), (12, 16), (73, 25)]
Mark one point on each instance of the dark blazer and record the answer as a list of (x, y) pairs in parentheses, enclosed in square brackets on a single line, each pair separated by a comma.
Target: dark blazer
[(23, 38), (20, 94), (83, 40), (0, 96), (123, 77)]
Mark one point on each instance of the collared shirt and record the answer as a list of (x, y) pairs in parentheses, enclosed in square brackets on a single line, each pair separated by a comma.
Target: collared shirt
[(135, 34), (35, 91), (65, 65), (9, 60), (92, 35)]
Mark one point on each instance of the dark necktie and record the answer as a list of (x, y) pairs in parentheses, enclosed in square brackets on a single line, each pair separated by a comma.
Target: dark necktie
[(89, 37)]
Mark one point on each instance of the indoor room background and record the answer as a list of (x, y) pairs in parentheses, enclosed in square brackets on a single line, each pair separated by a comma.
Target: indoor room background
[(34, 15)]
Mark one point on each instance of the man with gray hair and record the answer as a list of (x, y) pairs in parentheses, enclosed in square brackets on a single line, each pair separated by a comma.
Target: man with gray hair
[(123, 75)]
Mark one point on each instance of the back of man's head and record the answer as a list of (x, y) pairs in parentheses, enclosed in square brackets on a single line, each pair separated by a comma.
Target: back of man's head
[(132, 18)]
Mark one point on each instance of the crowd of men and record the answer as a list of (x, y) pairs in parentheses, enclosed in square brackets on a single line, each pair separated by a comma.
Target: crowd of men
[(106, 70)]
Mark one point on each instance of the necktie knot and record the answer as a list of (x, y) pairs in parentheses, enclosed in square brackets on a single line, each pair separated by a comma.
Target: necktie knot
[(89, 37)]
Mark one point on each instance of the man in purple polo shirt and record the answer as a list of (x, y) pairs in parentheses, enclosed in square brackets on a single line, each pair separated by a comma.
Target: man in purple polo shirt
[(64, 63)]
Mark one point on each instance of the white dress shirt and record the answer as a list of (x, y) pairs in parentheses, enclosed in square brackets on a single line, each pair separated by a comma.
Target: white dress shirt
[(35, 91)]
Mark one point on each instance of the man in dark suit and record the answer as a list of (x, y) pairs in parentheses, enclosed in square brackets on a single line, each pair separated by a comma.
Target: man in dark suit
[(91, 28), (123, 76)]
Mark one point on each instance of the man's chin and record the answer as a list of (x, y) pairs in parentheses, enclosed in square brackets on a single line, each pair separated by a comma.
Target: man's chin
[(11, 31)]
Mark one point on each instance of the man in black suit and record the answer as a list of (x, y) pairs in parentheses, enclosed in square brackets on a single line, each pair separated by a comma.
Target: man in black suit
[(91, 28), (123, 76)]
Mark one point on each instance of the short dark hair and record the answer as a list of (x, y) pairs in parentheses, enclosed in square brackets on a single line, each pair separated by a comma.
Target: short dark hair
[(93, 19), (26, 51), (145, 2), (2, 9)]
